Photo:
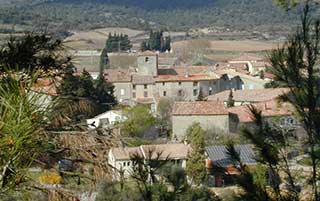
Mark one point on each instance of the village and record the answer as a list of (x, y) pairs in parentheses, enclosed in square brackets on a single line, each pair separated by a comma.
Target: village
[(217, 99), (107, 101)]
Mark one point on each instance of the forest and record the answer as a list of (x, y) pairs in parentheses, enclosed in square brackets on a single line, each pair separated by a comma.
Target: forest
[(69, 15)]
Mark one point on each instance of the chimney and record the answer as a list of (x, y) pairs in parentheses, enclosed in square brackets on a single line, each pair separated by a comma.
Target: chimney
[(187, 73)]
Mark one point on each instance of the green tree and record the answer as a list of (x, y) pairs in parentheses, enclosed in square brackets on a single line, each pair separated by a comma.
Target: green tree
[(112, 191), (164, 112), (230, 102), (31, 53), (23, 117), (200, 96), (156, 42), (271, 144), (294, 67), (118, 42), (155, 163), (80, 97), (196, 169), (139, 120), (144, 46), (104, 60)]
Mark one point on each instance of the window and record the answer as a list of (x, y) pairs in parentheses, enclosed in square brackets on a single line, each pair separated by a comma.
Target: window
[(180, 92), (289, 121), (180, 83), (195, 84), (163, 83), (147, 59), (128, 163), (210, 90), (134, 87), (145, 86), (122, 92), (124, 164), (134, 94), (164, 93), (195, 92), (145, 94)]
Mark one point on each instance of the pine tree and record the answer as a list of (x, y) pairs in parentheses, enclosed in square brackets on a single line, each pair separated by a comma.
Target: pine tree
[(156, 42), (118, 42), (144, 46), (230, 102), (196, 159), (295, 67), (104, 60), (200, 96)]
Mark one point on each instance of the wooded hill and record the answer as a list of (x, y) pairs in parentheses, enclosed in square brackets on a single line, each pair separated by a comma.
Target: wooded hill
[(62, 15)]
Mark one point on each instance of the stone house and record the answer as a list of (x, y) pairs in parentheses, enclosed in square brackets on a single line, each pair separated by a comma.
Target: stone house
[(120, 158), (247, 81), (211, 115), (254, 63), (249, 96), (272, 111), (148, 82), (215, 116)]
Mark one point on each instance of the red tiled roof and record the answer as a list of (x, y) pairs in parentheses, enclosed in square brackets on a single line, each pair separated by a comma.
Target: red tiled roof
[(250, 95), (268, 109), (269, 75), (142, 79), (186, 70), (117, 75), (172, 151), (125, 153), (199, 108), (170, 78)]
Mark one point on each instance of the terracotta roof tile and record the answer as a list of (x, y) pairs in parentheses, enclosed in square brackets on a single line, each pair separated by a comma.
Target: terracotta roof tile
[(250, 95), (125, 153), (172, 151), (173, 78), (199, 108), (268, 109), (117, 75), (142, 79)]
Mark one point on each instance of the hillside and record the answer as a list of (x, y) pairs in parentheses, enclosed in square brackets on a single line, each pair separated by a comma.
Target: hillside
[(60, 16)]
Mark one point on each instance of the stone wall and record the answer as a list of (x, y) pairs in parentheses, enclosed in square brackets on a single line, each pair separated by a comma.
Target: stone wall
[(180, 124)]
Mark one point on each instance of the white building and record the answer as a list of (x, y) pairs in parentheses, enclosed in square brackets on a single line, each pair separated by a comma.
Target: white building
[(106, 119), (120, 158)]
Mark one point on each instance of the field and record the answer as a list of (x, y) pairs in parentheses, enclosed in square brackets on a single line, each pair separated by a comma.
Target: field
[(228, 45), (96, 39), (222, 50)]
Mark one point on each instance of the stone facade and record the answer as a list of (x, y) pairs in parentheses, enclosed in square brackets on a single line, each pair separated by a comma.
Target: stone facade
[(148, 82), (120, 158), (211, 115), (180, 124), (147, 64)]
